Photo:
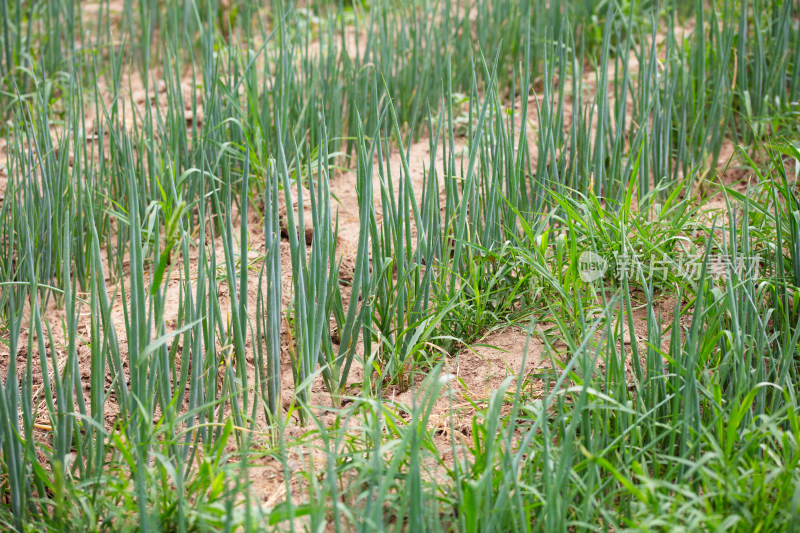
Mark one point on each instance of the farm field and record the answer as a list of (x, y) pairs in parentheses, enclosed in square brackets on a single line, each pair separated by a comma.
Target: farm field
[(386, 265)]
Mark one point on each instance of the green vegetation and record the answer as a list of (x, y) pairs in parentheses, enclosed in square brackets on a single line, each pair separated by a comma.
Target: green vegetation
[(234, 296)]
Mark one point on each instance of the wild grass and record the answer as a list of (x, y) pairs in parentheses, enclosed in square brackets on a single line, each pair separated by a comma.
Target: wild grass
[(179, 316)]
